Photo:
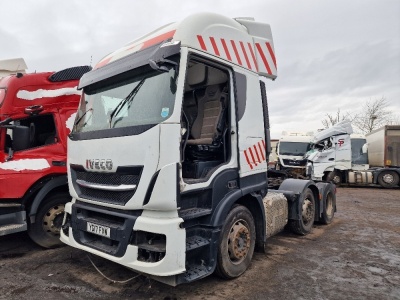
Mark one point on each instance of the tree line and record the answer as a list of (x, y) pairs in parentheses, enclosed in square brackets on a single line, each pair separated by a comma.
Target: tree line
[(373, 115)]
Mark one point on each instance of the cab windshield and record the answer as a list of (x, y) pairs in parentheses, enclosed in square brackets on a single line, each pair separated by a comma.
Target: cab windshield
[(139, 97), (293, 148)]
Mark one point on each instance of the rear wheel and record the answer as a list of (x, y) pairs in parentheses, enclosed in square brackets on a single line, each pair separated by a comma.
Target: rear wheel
[(46, 229), (388, 179), (304, 225), (329, 208), (236, 243)]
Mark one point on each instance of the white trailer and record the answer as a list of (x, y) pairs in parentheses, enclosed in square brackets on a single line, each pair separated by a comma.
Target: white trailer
[(167, 161)]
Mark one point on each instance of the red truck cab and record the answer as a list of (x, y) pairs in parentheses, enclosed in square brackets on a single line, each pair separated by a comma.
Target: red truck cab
[(37, 112)]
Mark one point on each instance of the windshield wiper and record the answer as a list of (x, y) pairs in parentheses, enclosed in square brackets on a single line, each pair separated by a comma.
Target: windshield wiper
[(128, 99), (81, 117)]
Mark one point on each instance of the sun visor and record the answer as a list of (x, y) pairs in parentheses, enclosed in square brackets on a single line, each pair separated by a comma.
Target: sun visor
[(129, 62)]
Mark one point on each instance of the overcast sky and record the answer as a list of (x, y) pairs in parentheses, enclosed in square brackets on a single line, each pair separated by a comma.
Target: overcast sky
[(331, 54)]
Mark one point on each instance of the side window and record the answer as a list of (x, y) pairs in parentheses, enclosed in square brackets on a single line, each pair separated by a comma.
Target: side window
[(42, 131), (324, 144), (205, 118)]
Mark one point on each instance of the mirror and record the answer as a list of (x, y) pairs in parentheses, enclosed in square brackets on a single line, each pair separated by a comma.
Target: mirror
[(21, 136), (365, 148)]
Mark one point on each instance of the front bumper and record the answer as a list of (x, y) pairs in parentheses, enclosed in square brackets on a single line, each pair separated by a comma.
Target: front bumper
[(131, 242)]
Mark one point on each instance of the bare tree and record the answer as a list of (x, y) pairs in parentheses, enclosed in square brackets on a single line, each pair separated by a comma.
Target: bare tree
[(332, 119), (374, 114)]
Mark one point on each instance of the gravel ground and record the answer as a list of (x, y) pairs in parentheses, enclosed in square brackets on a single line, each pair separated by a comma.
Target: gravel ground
[(355, 257)]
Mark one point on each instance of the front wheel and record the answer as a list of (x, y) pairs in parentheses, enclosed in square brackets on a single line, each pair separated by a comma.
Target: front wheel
[(304, 224), (388, 179), (335, 177), (46, 229), (236, 243)]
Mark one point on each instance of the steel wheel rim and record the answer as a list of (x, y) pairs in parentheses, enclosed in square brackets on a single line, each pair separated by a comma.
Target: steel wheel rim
[(52, 220), (239, 241), (388, 178), (307, 211), (336, 179)]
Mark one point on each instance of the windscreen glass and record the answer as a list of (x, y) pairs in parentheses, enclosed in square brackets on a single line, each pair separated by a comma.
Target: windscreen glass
[(139, 97), (293, 148)]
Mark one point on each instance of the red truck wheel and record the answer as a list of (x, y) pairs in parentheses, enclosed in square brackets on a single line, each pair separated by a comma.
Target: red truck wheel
[(46, 230)]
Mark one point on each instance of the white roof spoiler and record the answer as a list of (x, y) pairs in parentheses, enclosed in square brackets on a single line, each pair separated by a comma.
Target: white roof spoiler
[(339, 128), (12, 66)]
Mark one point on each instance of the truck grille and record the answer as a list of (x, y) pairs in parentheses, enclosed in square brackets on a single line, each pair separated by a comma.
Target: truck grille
[(125, 176), (296, 163)]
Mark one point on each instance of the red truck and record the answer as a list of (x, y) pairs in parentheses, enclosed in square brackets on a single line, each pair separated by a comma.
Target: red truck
[(37, 112)]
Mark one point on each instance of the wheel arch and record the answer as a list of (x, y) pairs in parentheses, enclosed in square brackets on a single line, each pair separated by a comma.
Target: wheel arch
[(253, 202), (298, 187), (54, 185)]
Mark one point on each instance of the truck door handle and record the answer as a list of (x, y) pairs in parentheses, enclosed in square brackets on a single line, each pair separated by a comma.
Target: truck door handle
[(331, 159)]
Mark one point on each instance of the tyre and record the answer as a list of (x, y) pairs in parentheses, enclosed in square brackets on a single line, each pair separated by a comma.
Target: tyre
[(329, 208), (236, 243), (304, 225), (335, 177), (46, 229), (388, 179)]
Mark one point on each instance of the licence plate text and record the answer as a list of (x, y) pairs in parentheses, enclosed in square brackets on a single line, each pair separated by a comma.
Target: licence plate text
[(98, 229)]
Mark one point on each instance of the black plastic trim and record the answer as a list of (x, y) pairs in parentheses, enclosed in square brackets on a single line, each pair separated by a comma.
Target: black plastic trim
[(266, 118), (112, 132), (74, 73), (240, 92), (151, 187), (120, 223)]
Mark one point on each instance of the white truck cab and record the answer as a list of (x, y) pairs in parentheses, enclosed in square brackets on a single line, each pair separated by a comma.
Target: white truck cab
[(167, 160), (339, 155), (291, 148)]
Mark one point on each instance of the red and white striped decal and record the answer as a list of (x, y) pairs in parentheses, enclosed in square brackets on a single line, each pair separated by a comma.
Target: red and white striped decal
[(136, 47), (267, 56), (240, 52), (255, 154)]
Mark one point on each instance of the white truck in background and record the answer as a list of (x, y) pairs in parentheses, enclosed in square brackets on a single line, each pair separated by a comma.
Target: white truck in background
[(273, 157), (290, 149), (167, 160), (340, 156)]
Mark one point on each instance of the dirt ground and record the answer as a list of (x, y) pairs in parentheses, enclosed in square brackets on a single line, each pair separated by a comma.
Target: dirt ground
[(355, 257)]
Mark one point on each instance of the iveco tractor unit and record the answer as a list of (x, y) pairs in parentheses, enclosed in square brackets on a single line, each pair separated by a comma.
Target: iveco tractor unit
[(167, 160), (36, 115), (340, 156)]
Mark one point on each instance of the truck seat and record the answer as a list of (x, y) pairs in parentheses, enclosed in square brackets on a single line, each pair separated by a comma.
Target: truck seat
[(208, 124), (205, 104)]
